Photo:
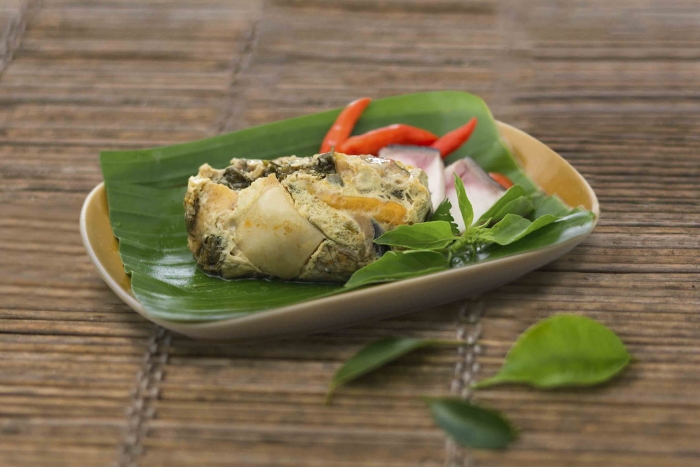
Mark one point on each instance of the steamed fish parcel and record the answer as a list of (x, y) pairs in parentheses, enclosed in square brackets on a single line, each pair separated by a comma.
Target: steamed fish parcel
[(311, 218)]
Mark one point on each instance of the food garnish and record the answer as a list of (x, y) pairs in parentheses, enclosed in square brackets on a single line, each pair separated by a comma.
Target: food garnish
[(450, 142), (372, 141), (501, 179), (344, 124)]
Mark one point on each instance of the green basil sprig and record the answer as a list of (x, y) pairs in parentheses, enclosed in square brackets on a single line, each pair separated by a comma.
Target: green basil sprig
[(437, 244)]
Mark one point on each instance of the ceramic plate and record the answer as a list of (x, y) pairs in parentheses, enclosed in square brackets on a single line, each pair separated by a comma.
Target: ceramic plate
[(545, 167)]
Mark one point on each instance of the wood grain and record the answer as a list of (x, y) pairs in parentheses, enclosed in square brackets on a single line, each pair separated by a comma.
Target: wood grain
[(612, 86)]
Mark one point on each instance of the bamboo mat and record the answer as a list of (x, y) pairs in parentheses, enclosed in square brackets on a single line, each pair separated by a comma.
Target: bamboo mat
[(614, 86)]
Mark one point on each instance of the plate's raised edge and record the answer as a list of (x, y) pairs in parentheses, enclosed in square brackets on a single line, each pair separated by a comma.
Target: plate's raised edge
[(127, 297), (595, 205)]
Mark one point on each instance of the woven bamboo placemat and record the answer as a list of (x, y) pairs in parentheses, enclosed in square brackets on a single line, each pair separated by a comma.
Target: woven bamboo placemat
[(614, 86)]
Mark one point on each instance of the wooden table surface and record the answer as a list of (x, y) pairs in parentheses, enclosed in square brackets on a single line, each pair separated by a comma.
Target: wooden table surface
[(613, 85)]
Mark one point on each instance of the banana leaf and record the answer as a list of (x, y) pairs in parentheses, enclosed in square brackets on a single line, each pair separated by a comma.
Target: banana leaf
[(145, 189)]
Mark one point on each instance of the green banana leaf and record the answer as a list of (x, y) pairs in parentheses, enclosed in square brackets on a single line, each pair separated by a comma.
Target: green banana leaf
[(145, 189)]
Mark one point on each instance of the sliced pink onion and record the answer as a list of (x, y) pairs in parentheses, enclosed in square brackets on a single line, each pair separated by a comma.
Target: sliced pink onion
[(481, 190), (425, 158)]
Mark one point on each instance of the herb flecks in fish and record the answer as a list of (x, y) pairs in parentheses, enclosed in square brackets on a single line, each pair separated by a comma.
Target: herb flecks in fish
[(191, 211), (210, 251), (324, 164), (236, 179)]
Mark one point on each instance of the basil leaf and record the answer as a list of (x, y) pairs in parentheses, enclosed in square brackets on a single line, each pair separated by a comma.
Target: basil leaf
[(425, 236), (373, 356), (513, 193), (396, 265), (470, 425), (442, 213), (564, 350), (513, 227), (543, 204), (465, 207)]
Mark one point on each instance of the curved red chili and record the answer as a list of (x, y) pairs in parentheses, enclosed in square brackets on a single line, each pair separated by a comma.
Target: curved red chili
[(450, 142), (372, 141), (344, 124)]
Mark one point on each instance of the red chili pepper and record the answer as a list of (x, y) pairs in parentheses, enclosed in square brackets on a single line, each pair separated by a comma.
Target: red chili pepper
[(372, 141), (450, 142), (344, 124), (501, 179)]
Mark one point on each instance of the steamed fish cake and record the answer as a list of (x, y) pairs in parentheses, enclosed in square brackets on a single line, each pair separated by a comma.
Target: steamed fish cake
[(311, 218)]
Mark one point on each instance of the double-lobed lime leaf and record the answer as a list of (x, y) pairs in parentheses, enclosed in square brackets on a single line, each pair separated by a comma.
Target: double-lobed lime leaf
[(564, 350)]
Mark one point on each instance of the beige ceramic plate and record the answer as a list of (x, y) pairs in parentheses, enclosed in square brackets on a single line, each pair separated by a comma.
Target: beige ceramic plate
[(549, 170)]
